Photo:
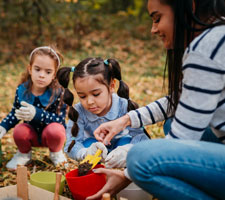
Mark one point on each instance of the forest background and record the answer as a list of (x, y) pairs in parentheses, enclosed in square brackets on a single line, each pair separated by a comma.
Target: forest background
[(117, 29)]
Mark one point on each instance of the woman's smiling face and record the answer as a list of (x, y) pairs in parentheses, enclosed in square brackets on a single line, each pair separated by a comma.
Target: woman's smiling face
[(163, 21)]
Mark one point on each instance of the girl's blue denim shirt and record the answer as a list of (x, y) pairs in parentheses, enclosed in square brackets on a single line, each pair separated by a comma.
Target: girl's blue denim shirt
[(88, 122)]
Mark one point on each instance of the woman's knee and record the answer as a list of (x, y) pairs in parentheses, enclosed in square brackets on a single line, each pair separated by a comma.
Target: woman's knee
[(143, 155), (136, 157)]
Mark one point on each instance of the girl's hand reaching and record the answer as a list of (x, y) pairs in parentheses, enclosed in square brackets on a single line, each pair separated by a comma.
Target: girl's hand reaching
[(105, 132), (92, 150), (95, 146), (26, 112)]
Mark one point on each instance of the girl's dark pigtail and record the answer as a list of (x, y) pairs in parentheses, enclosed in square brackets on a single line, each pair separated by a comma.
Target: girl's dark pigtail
[(68, 97), (71, 145), (63, 76), (123, 90)]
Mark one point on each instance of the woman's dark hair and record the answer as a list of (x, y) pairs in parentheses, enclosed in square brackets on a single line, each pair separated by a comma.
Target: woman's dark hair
[(187, 14), (110, 69)]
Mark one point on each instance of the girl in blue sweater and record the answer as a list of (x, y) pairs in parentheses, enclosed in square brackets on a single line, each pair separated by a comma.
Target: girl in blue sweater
[(94, 82), (39, 106)]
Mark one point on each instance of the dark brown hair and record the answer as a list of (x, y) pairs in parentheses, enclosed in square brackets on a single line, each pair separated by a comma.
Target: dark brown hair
[(205, 14), (110, 69)]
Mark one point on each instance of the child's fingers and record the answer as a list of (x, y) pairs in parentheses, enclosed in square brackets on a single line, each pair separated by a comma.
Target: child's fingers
[(109, 157), (24, 103), (19, 117), (24, 109), (18, 113), (22, 113)]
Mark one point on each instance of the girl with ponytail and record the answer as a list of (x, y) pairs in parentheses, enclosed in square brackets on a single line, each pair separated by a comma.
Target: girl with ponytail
[(94, 81)]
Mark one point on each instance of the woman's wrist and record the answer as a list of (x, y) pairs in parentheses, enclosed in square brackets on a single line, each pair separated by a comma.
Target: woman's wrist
[(125, 172), (126, 120)]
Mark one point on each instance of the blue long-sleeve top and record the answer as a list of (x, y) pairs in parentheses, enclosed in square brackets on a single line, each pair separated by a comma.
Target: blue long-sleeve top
[(43, 116), (88, 122)]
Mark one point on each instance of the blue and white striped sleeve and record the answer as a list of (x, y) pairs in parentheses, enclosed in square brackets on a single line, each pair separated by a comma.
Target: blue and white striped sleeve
[(150, 114), (203, 82)]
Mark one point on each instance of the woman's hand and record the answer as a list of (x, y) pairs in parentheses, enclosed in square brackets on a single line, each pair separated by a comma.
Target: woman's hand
[(116, 181), (105, 132)]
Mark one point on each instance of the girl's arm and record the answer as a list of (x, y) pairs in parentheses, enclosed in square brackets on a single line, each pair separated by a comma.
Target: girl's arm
[(47, 117), (10, 120)]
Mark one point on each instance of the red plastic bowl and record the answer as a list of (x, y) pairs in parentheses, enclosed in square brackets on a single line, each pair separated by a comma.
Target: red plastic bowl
[(84, 186)]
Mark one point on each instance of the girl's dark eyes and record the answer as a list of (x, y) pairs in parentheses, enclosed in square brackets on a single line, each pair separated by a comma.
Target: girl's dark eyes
[(95, 95)]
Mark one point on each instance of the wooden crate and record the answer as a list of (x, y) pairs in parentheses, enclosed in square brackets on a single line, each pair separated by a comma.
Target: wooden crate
[(27, 191)]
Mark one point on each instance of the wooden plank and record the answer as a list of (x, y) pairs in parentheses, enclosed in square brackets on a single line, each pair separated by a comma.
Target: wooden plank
[(9, 191), (35, 193), (57, 185), (106, 196), (22, 185)]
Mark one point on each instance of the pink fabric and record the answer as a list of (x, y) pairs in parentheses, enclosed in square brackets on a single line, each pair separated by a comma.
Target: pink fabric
[(53, 137)]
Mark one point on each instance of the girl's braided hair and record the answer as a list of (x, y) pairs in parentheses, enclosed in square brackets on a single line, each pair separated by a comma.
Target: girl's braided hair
[(109, 69)]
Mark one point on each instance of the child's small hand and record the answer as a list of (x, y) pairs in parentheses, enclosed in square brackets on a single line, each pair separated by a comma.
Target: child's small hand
[(95, 146), (26, 112), (2, 131), (117, 157), (92, 150)]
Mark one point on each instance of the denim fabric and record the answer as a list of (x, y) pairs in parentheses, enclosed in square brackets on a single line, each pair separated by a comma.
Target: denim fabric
[(119, 142), (178, 169)]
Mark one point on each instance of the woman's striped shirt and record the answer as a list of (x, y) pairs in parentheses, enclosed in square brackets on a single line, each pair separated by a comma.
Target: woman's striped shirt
[(202, 101)]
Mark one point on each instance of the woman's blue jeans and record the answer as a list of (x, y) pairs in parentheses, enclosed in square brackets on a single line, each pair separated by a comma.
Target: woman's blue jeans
[(176, 169)]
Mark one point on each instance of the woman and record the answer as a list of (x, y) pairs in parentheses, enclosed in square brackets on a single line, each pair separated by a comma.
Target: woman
[(180, 166)]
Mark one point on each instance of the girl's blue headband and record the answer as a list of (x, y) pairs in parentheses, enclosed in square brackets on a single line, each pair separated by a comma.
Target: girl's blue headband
[(73, 69)]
